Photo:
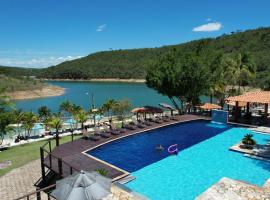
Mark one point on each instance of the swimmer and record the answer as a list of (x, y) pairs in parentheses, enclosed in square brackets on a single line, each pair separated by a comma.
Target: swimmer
[(159, 147)]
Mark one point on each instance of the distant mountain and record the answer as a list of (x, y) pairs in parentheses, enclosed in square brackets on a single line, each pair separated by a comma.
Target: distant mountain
[(132, 63), (19, 71)]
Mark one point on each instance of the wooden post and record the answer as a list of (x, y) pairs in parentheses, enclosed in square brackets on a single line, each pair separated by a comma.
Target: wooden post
[(42, 165), (60, 170), (50, 146), (236, 111), (38, 195), (57, 138), (71, 170), (266, 113), (248, 107), (72, 135)]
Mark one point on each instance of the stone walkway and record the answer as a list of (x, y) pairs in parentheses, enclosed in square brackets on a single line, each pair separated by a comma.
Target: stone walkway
[(19, 182), (229, 189)]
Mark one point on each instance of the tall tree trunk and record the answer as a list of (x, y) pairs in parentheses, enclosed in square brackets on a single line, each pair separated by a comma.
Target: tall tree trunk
[(175, 104), (57, 138), (211, 98)]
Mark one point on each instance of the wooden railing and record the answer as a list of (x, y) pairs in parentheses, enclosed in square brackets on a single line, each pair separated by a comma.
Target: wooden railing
[(37, 194), (53, 163)]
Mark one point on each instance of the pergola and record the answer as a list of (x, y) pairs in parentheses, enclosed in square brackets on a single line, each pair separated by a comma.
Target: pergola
[(261, 97)]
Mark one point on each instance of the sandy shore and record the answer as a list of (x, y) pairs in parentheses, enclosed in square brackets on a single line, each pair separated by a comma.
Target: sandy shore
[(102, 80), (47, 91)]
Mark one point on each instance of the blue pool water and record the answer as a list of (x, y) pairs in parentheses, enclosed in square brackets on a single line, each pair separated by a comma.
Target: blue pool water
[(203, 160), (135, 152)]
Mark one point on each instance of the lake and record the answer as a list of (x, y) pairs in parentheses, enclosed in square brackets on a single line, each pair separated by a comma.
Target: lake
[(138, 93)]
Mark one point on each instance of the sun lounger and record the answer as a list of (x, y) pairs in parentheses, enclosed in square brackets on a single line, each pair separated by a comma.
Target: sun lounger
[(147, 123), (137, 124), (114, 132), (165, 118), (104, 134), (129, 127), (155, 120), (174, 118), (93, 137)]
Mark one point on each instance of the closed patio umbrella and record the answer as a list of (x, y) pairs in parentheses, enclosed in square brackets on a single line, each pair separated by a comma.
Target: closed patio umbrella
[(83, 186), (167, 106)]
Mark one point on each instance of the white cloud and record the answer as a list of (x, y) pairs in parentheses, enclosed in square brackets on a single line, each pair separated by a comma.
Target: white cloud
[(213, 26), (36, 62), (209, 19), (101, 28)]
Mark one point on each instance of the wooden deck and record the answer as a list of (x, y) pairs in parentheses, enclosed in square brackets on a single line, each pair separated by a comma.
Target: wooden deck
[(72, 153)]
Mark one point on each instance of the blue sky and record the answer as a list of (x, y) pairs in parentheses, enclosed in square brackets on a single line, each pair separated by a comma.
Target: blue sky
[(39, 33)]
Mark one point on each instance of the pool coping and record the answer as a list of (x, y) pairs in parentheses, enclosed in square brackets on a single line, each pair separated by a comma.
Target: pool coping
[(126, 173)]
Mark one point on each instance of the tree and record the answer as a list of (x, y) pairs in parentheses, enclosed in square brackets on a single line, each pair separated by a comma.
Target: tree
[(56, 123), (5, 102), (107, 107), (66, 107), (44, 113), (5, 120), (18, 116), (184, 81), (243, 70), (28, 121), (121, 109), (81, 117)]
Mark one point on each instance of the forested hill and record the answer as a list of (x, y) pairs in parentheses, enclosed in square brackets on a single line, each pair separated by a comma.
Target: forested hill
[(132, 63), (19, 71)]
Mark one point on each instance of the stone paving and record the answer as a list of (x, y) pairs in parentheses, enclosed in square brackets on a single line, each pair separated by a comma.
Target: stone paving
[(229, 189), (19, 181)]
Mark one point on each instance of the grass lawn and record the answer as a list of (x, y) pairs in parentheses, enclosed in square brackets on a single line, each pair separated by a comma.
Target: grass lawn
[(21, 155)]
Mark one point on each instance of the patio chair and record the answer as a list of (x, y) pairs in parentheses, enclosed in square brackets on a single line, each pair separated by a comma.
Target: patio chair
[(129, 127)]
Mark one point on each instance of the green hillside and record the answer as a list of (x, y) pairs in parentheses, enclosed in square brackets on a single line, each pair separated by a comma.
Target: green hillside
[(12, 84), (133, 63), (19, 71)]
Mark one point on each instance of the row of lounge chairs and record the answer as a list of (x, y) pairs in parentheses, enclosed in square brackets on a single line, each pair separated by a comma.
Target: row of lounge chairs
[(133, 125)]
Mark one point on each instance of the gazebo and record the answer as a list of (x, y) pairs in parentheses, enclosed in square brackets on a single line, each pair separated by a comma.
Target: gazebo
[(260, 97)]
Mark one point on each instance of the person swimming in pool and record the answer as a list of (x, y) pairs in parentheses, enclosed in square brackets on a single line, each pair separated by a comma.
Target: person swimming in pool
[(159, 147)]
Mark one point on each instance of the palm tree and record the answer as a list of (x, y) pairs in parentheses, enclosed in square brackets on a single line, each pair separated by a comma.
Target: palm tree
[(44, 113), (81, 117), (56, 123), (243, 70), (18, 116), (29, 119), (65, 107), (108, 106)]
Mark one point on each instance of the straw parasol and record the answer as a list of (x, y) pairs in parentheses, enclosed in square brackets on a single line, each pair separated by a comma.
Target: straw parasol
[(210, 106), (146, 110), (83, 186), (167, 106)]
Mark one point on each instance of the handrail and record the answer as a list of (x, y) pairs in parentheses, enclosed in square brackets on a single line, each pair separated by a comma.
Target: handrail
[(27, 196)]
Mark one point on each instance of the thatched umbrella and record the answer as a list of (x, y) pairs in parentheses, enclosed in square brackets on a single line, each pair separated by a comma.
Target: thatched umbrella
[(83, 186), (209, 106), (147, 110), (167, 106)]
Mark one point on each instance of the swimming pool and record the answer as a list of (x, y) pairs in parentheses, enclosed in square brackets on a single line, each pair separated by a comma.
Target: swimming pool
[(204, 158)]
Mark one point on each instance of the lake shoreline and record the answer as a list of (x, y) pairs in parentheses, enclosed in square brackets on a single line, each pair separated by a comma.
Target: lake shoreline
[(116, 80), (46, 91)]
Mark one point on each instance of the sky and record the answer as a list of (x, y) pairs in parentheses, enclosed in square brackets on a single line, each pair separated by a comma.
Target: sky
[(42, 33)]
